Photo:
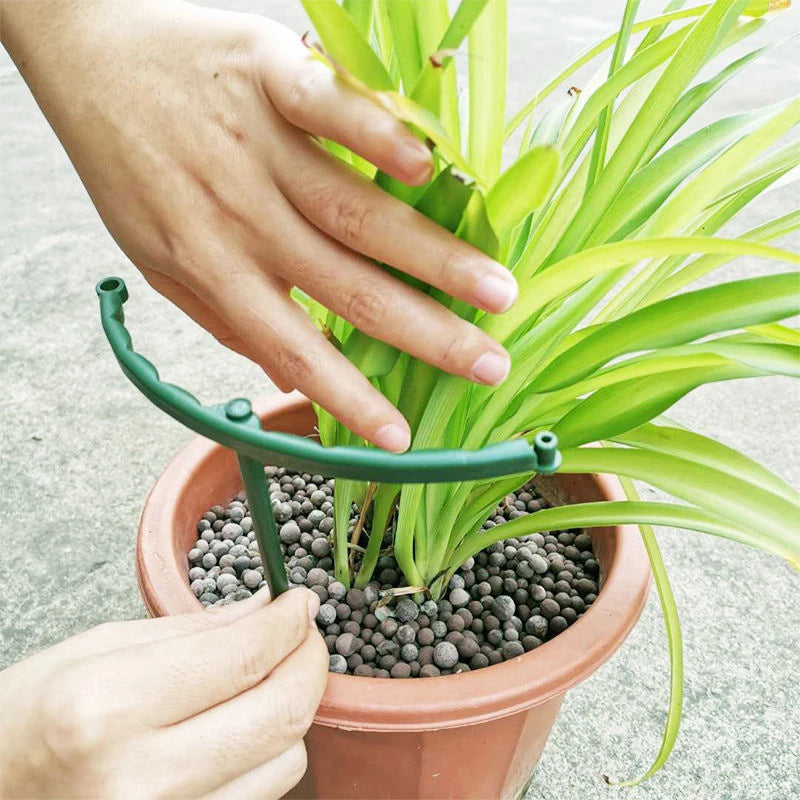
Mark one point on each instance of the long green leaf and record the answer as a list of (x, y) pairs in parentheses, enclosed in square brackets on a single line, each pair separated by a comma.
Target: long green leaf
[(522, 188), (591, 112), (619, 408), (437, 84), (344, 41), (678, 364), (677, 320), (703, 189), (361, 11), (592, 51), (487, 89), (599, 150), (773, 519), (403, 24), (575, 270), (669, 611), (696, 97), (686, 63), (703, 450), (649, 187), (770, 231), (620, 512)]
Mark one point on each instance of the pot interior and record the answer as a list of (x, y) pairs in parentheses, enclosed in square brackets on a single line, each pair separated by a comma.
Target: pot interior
[(216, 480)]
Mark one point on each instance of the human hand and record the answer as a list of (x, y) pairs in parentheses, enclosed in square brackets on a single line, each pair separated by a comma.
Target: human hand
[(193, 131), (211, 704)]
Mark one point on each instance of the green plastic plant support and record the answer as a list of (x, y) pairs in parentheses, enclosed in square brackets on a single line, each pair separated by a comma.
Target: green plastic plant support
[(234, 425)]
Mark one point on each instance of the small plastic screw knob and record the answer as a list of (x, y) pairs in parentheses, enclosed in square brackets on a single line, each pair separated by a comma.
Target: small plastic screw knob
[(545, 445), (238, 410)]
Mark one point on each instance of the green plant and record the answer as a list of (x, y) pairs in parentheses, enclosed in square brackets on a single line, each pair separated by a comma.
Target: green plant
[(599, 216)]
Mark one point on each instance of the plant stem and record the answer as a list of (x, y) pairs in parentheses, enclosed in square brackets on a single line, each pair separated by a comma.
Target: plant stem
[(383, 508)]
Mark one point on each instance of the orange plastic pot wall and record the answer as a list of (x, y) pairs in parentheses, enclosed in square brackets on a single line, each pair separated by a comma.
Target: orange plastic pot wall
[(473, 735)]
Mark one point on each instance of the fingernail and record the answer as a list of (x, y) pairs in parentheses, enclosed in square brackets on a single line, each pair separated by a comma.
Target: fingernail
[(313, 606), (416, 160), (394, 438), (491, 368), (495, 293)]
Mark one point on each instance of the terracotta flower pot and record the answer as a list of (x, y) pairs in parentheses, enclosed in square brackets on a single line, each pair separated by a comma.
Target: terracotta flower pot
[(473, 735)]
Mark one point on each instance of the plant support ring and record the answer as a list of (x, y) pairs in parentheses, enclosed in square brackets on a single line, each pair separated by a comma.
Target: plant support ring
[(234, 425)]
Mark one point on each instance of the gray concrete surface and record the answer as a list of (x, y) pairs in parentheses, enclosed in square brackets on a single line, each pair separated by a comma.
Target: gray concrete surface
[(79, 449)]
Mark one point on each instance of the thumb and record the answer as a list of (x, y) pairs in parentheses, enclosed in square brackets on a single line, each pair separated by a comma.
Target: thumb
[(218, 663)]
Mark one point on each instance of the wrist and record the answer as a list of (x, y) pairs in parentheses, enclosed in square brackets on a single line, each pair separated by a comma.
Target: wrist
[(30, 31)]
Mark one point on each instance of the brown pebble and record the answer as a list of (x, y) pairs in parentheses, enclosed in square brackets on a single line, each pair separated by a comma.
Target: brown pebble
[(401, 670), (467, 648), (355, 599), (479, 661), (346, 644), (351, 627), (455, 623), (387, 661), (549, 608), (368, 652), (354, 661), (425, 636)]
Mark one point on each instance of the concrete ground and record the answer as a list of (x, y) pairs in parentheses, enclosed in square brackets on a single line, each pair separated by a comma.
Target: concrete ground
[(79, 449)]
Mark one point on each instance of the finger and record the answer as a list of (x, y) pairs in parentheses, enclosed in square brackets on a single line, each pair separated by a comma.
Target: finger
[(281, 334), (199, 311), (111, 636), (382, 306), (270, 780), (171, 679), (310, 96), (360, 215), (258, 725)]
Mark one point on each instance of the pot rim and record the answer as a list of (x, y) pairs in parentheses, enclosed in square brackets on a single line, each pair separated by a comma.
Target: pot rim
[(379, 704)]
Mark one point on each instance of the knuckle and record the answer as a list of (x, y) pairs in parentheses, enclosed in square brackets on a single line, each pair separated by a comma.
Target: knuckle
[(451, 353), (248, 667), (300, 93), (296, 763), (451, 265), (226, 337), (73, 724), (298, 711), (366, 307), (294, 366), (294, 265), (177, 252), (350, 220), (319, 655)]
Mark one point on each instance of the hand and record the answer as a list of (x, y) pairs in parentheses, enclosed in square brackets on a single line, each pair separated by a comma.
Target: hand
[(193, 131), (211, 704)]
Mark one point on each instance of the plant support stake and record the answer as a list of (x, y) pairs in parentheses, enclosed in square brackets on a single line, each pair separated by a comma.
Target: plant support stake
[(235, 426)]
